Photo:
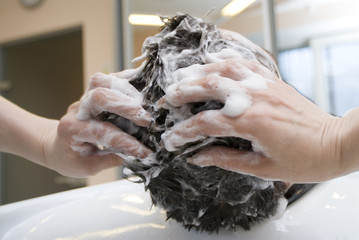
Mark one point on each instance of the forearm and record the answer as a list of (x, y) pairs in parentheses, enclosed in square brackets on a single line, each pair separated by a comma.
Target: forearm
[(350, 142), (22, 133)]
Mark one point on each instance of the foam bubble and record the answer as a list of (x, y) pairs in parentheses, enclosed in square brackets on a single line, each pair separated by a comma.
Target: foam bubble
[(281, 207), (237, 102), (258, 148), (187, 74), (83, 151), (255, 82), (83, 112), (124, 87), (98, 135), (170, 139), (179, 65), (223, 55)]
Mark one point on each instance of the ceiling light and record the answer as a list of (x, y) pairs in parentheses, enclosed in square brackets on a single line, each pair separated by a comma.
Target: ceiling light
[(235, 7), (147, 20)]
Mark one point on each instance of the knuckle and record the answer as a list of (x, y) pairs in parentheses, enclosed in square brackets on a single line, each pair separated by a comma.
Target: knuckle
[(232, 65), (98, 96), (256, 67), (65, 125), (232, 68), (97, 80), (253, 64), (211, 81), (201, 119), (73, 106)]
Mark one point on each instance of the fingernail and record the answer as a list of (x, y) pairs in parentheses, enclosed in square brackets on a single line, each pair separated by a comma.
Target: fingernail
[(167, 141), (162, 103), (191, 160), (144, 117), (172, 97)]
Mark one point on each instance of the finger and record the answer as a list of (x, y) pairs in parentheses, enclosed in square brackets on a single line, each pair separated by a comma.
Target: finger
[(115, 82), (207, 123), (246, 162), (258, 69), (106, 100), (212, 87), (223, 55), (109, 136), (84, 149), (73, 107), (85, 166), (98, 80), (234, 68), (127, 74)]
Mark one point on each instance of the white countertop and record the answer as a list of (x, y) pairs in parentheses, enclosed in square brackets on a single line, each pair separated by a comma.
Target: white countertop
[(122, 210)]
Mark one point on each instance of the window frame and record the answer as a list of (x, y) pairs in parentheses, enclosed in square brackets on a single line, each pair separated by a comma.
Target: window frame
[(321, 84)]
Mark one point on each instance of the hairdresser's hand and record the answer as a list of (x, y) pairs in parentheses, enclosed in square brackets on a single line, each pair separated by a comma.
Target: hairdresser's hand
[(72, 149), (293, 140)]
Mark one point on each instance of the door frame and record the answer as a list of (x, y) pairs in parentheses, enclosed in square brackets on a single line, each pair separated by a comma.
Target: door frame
[(6, 85)]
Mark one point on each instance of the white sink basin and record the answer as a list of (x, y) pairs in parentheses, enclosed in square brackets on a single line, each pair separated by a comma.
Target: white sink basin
[(122, 210)]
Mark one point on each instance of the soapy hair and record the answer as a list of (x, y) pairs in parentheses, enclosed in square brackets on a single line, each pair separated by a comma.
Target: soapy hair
[(203, 198)]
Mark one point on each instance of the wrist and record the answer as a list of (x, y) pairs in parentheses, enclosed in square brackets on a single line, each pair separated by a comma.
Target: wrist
[(350, 142), (46, 141), (23, 133), (331, 140)]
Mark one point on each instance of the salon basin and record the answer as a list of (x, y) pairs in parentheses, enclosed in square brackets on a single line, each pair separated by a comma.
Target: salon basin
[(122, 210)]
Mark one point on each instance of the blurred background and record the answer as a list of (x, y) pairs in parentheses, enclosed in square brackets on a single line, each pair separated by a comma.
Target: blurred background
[(50, 48)]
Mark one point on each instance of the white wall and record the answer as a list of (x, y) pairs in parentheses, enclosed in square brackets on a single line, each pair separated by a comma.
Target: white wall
[(97, 19)]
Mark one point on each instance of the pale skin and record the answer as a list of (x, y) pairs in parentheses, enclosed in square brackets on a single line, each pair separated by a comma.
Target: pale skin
[(294, 140), (70, 146), (298, 142)]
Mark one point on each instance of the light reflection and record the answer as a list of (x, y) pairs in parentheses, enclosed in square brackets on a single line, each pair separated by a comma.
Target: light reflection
[(133, 199), (133, 210), (280, 226), (46, 219), (330, 207), (112, 232), (338, 196), (33, 229), (143, 19)]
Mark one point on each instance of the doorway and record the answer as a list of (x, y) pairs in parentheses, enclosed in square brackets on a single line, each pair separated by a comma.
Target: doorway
[(44, 76)]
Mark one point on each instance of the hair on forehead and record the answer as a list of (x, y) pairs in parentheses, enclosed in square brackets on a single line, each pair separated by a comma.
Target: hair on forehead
[(202, 198)]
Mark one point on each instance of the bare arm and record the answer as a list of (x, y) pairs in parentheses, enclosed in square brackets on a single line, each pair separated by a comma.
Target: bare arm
[(70, 146), (350, 142), (23, 133)]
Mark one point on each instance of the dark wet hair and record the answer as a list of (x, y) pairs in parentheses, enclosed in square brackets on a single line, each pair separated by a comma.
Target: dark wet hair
[(203, 198)]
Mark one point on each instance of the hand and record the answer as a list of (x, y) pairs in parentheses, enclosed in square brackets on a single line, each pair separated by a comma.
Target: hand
[(293, 140), (74, 148)]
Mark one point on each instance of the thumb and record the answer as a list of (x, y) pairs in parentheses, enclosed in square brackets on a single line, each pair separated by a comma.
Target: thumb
[(97, 163)]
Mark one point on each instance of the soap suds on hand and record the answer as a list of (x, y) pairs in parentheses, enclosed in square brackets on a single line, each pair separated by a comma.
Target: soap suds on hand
[(202, 198)]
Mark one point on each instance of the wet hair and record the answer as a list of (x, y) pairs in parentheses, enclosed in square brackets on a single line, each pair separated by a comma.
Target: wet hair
[(203, 198)]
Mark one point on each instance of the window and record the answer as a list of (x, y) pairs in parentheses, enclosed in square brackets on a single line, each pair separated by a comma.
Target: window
[(297, 69), (341, 69), (327, 72)]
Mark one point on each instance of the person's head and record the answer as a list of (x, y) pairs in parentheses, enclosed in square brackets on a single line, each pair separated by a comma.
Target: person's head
[(204, 198)]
